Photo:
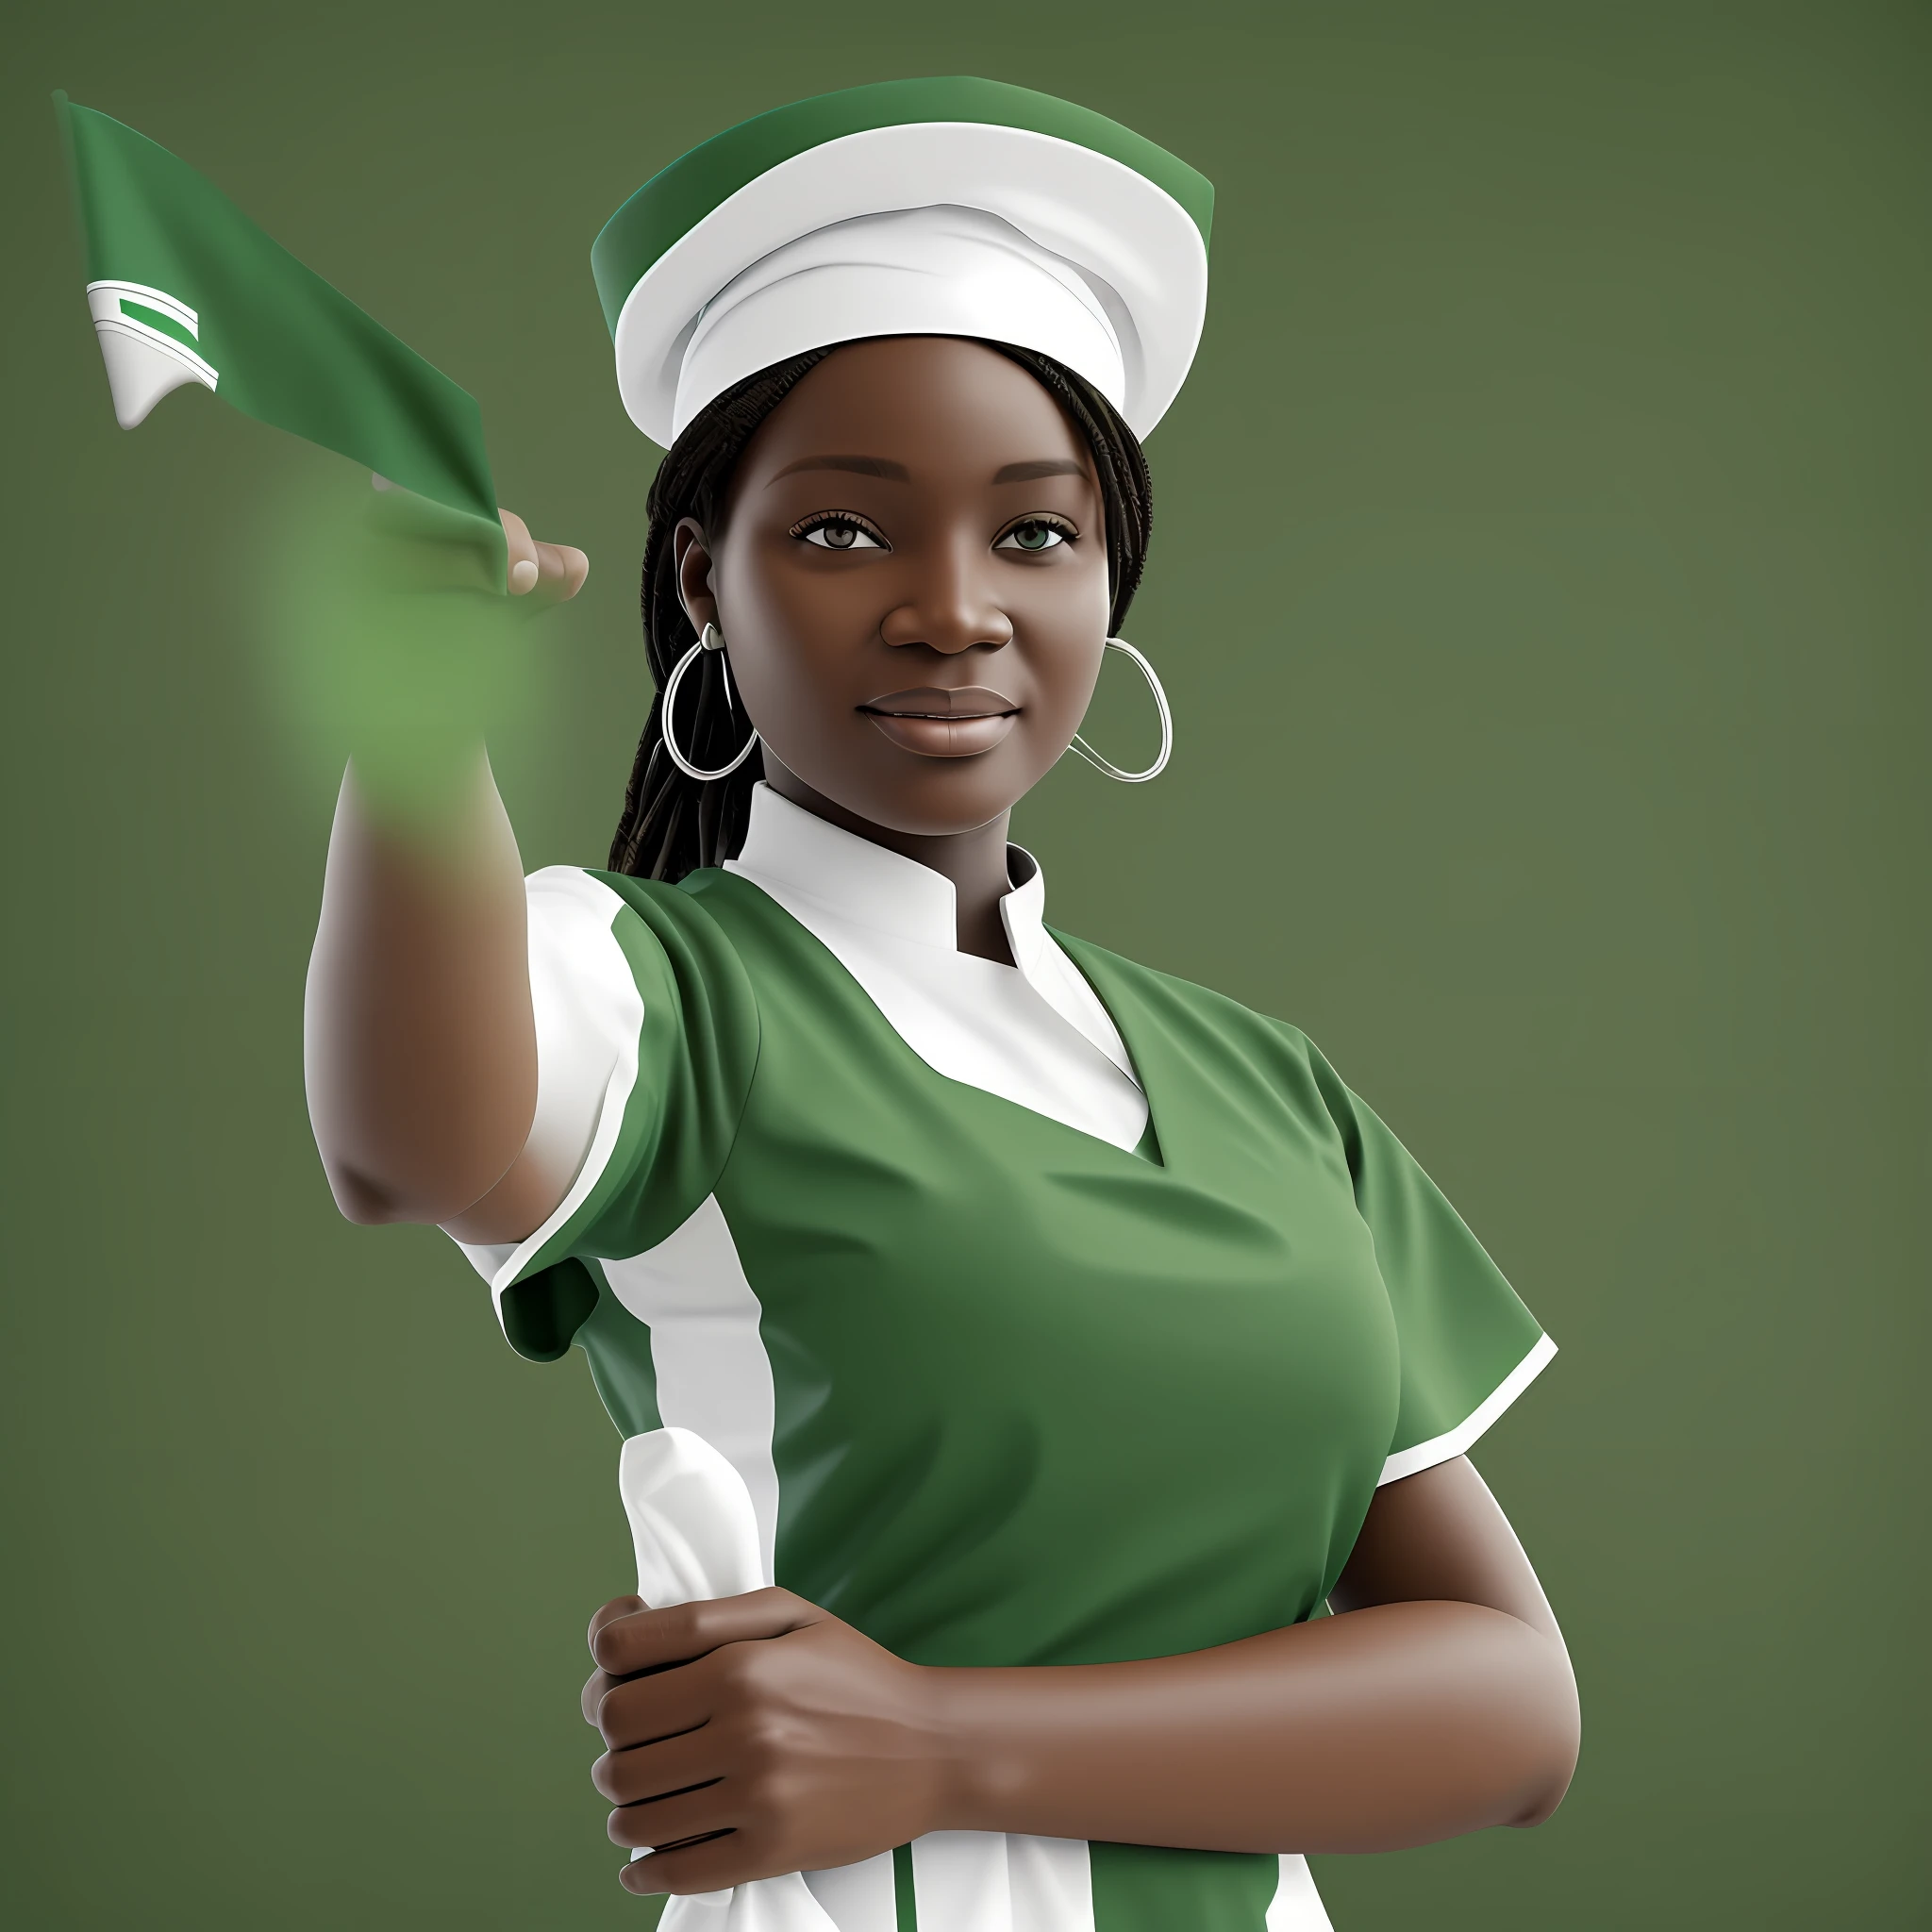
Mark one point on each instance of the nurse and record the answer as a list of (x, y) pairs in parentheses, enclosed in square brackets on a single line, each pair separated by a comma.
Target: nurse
[(1068, 1334)]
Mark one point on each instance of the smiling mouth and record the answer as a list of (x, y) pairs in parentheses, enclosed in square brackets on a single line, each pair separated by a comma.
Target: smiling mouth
[(943, 724)]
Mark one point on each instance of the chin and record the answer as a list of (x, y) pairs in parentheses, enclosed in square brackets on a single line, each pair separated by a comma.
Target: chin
[(919, 795), (936, 810), (937, 797)]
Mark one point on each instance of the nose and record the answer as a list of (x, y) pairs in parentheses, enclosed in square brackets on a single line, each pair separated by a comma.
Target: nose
[(952, 608)]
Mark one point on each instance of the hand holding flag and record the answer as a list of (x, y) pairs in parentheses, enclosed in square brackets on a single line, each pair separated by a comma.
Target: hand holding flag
[(558, 570), (390, 609)]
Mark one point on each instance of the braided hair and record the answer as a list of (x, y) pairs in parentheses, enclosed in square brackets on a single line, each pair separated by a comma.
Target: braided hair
[(674, 824)]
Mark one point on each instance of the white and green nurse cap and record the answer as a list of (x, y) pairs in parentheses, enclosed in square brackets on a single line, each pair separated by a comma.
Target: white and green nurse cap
[(956, 206)]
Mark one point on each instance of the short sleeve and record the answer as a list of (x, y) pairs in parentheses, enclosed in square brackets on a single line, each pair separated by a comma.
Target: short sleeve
[(1468, 1347), (646, 1041)]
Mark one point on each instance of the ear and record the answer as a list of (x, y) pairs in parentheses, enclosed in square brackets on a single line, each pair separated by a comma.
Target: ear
[(693, 561)]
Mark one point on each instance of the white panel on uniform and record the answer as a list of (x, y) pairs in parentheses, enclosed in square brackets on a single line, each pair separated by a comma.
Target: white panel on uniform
[(982, 1881), (1297, 1906), (714, 1375), (860, 1897)]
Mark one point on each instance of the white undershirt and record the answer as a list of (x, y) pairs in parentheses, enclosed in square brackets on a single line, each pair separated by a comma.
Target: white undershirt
[(1034, 1032)]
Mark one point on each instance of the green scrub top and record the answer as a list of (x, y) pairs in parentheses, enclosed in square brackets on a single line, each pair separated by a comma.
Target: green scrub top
[(1003, 1392)]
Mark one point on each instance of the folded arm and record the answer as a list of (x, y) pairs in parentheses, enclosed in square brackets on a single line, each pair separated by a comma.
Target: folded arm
[(1439, 1700)]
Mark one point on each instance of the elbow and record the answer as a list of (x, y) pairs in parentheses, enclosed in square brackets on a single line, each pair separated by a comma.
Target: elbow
[(359, 1199), (431, 1200), (1556, 1729), (417, 1114), (395, 1151), (1542, 1804)]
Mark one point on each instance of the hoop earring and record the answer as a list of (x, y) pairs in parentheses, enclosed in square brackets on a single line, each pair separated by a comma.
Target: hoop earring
[(1159, 764), (710, 638)]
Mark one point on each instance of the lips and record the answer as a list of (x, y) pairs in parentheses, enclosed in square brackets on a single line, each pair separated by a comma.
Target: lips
[(943, 724)]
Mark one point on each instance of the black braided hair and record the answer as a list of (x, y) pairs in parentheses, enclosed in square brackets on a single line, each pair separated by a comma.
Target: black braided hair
[(674, 824)]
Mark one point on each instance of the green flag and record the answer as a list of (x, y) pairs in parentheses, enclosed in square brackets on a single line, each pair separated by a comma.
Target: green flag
[(184, 287)]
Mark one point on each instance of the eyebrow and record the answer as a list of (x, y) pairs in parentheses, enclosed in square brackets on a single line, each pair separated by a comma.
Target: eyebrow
[(1032, 472), (897, 472), (860, 466)]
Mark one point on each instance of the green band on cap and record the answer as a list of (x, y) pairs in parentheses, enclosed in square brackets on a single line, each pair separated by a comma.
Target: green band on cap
[(674, 200)]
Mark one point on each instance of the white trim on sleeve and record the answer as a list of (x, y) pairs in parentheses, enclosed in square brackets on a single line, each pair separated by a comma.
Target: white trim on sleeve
[(589, 1015), (1456, 1442)]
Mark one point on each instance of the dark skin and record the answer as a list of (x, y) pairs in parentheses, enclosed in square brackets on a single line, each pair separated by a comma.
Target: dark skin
[(970, 587), (916, 655)]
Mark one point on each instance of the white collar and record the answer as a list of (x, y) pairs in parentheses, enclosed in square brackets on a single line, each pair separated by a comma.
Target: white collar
[(863, 884)]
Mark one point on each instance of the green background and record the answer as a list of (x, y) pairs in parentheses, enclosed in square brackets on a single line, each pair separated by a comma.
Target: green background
[(1542, 585)]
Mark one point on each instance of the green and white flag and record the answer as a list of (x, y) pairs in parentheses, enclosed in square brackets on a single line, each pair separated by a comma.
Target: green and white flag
[(185, 289)]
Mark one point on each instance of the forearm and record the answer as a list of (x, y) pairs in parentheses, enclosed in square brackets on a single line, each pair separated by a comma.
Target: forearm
[(420, 1044), (1389, 1726)]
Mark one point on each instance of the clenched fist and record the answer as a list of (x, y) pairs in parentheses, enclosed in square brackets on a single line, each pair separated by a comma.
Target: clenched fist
[(755, 1735)]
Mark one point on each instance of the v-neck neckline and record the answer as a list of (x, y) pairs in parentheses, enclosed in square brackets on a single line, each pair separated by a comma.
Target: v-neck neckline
[(1157, 1161), (1160, 1158)]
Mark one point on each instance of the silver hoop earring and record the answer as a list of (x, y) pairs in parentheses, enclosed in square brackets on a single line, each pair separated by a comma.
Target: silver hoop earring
[(1159, 764), (709, 638)]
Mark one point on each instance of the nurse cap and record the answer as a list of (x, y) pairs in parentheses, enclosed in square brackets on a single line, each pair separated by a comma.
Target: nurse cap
[(956, 207)]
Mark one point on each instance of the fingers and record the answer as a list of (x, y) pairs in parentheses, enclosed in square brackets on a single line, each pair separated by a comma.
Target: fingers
[(734, 1857), (595, 1685), (574, 568), (523, 567), (609, 1613), (648, 1640), (676, 1772), (664, 1704), (671, 1820), (652, 1772), (598, 1682), (560, 572), (555, 569)]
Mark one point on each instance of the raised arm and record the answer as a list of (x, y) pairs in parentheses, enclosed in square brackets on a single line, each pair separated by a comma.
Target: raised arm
[(420, 1046), (1438, 1701)]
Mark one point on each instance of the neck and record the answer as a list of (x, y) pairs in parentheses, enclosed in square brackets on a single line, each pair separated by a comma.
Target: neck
[(974, 861)]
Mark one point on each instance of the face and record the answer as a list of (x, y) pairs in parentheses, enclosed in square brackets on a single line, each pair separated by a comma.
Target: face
[(911, 579)]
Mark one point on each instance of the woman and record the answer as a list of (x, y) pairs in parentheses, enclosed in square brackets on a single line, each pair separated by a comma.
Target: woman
[(1074, 1334)]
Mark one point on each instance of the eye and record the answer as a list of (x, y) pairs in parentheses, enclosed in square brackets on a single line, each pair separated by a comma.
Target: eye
[(835, 530), (1036, 533)]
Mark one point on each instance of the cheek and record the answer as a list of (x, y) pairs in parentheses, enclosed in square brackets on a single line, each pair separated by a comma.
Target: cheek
[(790, 629), (764, 589), (1066, 684), (1061, 625), (807, 651), (1069, 602)]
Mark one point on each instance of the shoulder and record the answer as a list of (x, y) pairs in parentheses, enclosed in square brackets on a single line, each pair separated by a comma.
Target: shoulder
[(612, 892), (662, 939), (1233, 1042), (574, 895), (1184, 1000)]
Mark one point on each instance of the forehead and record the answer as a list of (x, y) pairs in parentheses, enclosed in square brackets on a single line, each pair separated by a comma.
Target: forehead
[(939, 404)]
